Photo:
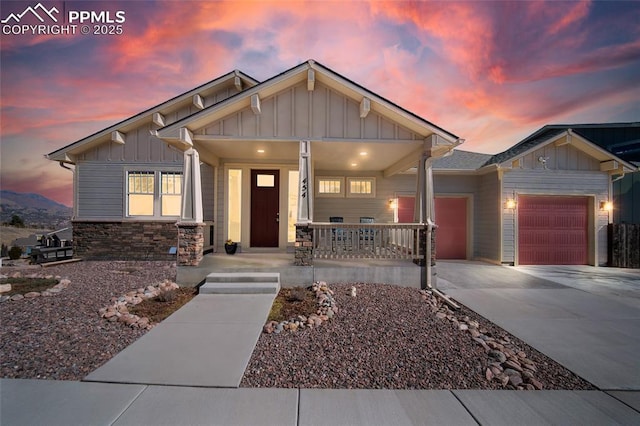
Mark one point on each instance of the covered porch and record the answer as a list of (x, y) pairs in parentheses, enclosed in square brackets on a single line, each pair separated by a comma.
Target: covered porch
[(308, 164)]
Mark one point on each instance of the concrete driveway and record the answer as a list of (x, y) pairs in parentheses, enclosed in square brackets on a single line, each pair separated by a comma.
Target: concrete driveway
[(586, 318)]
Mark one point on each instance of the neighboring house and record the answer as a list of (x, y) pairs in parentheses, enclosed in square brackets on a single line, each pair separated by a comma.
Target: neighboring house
[(545, 200), (270, 164)]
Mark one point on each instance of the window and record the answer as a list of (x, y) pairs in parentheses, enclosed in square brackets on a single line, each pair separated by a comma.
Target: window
[(330, 187), (234, 204), (144, 200), (293, 205), (171, 193), (140, 193), (361, 187)]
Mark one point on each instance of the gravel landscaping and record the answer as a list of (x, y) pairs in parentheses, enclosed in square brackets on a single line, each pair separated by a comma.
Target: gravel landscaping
[(63, 337), (384, 337), (390, 337)]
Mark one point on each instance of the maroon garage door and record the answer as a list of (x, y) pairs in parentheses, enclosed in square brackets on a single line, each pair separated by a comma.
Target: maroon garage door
[(553, 230)]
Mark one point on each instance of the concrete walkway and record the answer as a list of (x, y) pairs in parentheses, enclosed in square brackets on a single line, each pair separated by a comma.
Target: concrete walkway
[(590, 330), (43, 402), (208, 342)]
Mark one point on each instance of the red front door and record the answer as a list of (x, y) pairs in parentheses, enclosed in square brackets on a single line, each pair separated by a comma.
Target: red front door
[(451, 234), (265, 201)]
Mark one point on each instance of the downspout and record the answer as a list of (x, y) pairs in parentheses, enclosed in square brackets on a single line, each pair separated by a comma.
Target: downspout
[(431, 284), (73, 172)]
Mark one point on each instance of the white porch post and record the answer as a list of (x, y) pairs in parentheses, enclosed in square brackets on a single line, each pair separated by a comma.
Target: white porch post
[(305, 185), (191, 210)]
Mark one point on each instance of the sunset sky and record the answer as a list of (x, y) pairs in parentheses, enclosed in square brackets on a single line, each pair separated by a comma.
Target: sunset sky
[(490, 72)]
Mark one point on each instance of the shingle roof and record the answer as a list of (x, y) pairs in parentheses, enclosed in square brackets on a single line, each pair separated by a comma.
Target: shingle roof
[(524, 146), (461, 160), (620, 139)]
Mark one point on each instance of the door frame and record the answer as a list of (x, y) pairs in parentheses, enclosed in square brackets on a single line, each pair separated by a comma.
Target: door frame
[(245, 219)]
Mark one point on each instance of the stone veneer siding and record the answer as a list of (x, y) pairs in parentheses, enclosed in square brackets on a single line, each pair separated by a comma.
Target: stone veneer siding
[(190, 243), (125, 240), (303, 246)]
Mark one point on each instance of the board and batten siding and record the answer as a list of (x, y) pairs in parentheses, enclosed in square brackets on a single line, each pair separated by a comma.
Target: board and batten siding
[(299, 113), (487, 218), (101, 187), (563, 157), (561, 183)]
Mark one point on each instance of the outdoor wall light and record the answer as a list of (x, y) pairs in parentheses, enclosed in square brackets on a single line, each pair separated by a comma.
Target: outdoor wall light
[(393, 203), (510, 203), (606, 206)]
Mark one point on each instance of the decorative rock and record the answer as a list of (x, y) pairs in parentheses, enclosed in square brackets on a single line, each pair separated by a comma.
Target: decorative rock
[(515, 380), (31, 295), (510, 363), (4, 298), (463, 327), (17, 297), (5, 288), (536, 384), (489, 374), (497, 355), (441, 315)]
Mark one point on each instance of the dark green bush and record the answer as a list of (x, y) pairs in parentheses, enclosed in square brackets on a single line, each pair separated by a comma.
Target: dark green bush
[(15, 253)]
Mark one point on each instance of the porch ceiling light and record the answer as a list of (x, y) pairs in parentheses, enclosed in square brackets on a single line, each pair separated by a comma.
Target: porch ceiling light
[(354, 164), (606, 206), (363, 153)]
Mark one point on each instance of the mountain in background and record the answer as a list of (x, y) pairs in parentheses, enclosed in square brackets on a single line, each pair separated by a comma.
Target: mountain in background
[(34, 209)]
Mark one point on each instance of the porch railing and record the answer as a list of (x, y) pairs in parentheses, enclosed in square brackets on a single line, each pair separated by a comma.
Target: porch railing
[(366, 240)]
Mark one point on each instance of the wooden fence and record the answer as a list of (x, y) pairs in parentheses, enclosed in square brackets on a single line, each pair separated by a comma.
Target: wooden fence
[(624, 245)]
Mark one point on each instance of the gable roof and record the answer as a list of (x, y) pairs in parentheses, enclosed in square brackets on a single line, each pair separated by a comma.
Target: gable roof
[(292, 76), (146, 115), (622, 140)]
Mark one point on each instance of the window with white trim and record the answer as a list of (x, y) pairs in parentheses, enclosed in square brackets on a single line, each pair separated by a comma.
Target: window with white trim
[(154, 194), (330, 186), (362, 187), (170, 193)]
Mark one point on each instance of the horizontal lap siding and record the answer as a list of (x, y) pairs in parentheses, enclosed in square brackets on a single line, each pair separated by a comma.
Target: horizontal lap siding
[(101, 187), (487, 226), (552, 182), (100, 190)]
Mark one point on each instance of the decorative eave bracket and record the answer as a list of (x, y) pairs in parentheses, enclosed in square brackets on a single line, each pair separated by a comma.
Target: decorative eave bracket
[(365, 107), (255, 104), (158, 119), (198, 101), (311, 80), (118, 137)]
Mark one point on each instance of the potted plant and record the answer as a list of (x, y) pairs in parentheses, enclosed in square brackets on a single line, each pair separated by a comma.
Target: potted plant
[(230, 247)]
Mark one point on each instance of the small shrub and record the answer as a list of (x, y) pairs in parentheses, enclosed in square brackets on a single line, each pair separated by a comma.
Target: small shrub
[(167, 296), (15, 253)]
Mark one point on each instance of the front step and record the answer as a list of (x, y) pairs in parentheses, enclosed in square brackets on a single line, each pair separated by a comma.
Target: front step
[(241, 283)]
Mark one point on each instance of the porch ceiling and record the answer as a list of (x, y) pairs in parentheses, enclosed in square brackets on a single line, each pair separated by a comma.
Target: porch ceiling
[(325, 155)]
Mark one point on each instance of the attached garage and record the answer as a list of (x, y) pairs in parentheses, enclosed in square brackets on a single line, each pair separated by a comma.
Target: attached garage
[(553, 230)]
